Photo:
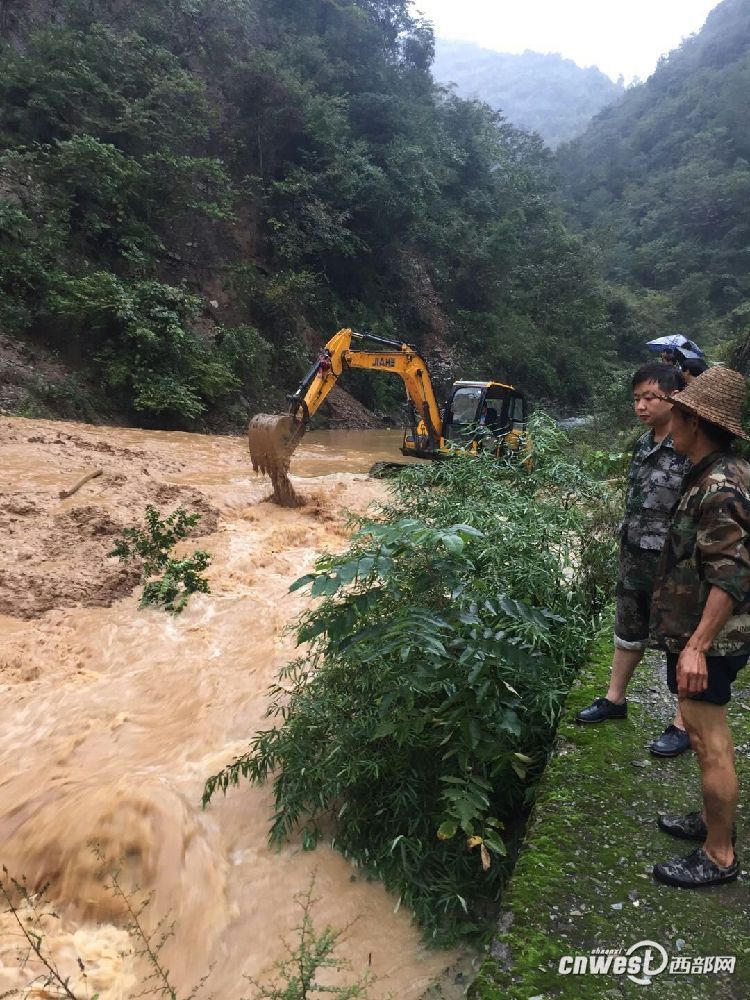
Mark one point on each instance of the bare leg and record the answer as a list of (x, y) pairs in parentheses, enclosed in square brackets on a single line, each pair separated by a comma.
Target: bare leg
[(678, 720), (624, 663), (712, 741)]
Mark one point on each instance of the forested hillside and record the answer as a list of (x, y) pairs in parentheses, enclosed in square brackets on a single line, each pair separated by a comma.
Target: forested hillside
[(543, 93), (661, 183), (194, 194)]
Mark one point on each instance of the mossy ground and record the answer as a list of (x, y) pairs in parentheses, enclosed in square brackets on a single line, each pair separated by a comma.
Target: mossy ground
[(583, 879)]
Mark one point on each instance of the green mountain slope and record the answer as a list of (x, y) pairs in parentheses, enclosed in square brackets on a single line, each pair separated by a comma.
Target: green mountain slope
[(194, 195), (542, 93), (661, 182)]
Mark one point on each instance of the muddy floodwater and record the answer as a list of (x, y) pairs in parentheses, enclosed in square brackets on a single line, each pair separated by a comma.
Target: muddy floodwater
[(324, 452), (112, 717)]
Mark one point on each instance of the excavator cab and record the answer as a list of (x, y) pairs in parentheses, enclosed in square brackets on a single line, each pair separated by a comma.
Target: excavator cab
[(478, 416), (482, 416)]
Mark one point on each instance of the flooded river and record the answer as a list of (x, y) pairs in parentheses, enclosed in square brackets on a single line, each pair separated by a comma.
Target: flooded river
[(348, 451), (112, 717)]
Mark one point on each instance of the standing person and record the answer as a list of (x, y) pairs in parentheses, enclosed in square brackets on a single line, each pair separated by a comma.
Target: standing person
[(690, 364), (701, 613), (667, 347), (653, 485)]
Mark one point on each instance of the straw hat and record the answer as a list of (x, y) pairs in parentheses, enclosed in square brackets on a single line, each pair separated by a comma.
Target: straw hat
[(718, 395)]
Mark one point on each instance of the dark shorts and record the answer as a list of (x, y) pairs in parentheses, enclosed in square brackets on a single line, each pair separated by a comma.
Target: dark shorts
[(635, 586), (722, 671)]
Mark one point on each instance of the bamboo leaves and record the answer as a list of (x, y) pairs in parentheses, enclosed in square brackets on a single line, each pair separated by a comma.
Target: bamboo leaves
[(437, 657)]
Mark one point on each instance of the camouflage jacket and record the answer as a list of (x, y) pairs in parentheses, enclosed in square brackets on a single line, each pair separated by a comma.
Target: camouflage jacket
[(708, 546), (654, 480)]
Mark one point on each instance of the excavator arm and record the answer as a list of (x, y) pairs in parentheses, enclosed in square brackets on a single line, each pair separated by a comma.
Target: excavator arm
[(274, 437), (337, 356), (471, 422)]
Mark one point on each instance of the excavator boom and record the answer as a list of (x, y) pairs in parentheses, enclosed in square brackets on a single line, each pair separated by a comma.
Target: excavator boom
[(273, 437), (338, 355)]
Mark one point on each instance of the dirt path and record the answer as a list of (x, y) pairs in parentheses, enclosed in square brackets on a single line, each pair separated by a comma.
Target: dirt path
[(111, 718)]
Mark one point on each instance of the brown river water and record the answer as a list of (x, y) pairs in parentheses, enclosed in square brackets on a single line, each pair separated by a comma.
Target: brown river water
[(112, 717)]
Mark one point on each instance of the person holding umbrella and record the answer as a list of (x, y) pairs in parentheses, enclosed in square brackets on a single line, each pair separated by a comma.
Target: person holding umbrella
[(666, 347), (676, 349)]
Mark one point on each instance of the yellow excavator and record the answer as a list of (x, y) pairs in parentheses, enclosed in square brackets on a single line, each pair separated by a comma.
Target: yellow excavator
[(477, 415)]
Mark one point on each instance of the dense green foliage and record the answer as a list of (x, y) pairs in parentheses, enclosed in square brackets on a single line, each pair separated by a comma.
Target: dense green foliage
[(661, 183), (168, 580), (437, 665), (98, 129), (543, 93), (195, 195), (281, 168)]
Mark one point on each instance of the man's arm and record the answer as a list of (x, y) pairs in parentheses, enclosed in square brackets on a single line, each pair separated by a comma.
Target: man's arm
[(692, 672), (722, 544)]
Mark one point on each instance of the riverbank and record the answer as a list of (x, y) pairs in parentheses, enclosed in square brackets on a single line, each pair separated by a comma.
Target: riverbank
[(583, 879)]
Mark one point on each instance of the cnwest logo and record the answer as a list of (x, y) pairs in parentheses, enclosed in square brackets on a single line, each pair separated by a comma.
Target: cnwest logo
[(642, 962)]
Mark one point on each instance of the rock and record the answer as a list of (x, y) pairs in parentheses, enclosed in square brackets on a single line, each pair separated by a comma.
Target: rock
[(345, 412)]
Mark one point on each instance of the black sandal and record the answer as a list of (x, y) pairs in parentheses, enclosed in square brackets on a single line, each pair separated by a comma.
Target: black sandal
[(695, 871)]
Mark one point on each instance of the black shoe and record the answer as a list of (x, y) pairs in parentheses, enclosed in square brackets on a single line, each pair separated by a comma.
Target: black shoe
[(695, 871), (672, 742), (602, 709), (689, 827)]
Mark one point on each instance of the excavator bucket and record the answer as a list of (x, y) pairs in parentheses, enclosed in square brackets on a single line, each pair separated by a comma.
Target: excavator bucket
[(272, 438)]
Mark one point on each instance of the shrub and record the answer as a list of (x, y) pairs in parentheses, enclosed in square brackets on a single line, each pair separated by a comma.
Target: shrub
[(142, 336), (437, 665), (153, 546), (295, 977), (29, 258), (248, 355)]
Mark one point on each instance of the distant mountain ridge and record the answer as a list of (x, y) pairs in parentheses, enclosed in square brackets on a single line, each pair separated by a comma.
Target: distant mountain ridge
[(660, 183), (547, 94)]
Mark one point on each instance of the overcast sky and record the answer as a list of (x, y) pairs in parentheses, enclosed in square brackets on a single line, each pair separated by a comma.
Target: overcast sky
[(618, 36)]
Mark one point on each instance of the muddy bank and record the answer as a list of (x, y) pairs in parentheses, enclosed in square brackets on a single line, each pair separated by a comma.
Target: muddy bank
[(111, 718), (56, 547)]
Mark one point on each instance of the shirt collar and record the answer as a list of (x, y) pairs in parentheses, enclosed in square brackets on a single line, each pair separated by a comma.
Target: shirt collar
[(697, 470), (666, 442)]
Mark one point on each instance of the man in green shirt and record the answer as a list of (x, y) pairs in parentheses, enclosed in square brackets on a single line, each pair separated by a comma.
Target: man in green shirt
[(653, 484)]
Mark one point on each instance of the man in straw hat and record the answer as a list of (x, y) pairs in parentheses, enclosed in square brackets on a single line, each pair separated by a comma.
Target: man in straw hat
[(701, 613)]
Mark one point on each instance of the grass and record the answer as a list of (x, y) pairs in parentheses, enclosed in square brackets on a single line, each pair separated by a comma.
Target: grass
[(583, 881)]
